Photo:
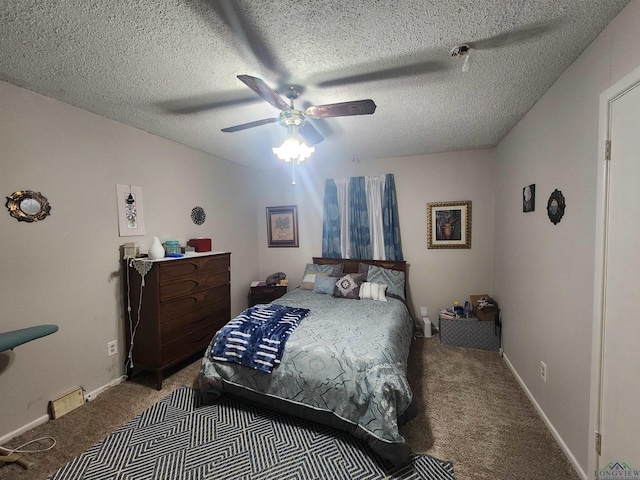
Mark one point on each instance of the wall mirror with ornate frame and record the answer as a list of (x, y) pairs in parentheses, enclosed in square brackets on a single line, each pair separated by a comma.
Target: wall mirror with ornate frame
[(28, 206), (556, 206)]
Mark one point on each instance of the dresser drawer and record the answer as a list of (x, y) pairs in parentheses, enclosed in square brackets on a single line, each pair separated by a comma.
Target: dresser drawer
[(187, 345), (188, 267), (215, 317), (196, 283), (195, 301)]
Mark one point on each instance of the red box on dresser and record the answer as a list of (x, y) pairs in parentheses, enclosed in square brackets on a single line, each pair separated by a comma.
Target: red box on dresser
[(200, 244)]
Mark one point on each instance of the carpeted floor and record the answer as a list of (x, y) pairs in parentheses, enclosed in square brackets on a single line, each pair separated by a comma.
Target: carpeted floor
[(472, 413)]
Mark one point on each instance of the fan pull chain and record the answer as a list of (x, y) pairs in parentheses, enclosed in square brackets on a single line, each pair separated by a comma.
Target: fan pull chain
[(293, 172)]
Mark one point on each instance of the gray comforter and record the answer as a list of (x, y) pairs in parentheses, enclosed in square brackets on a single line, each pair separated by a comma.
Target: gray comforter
[(345, 365)]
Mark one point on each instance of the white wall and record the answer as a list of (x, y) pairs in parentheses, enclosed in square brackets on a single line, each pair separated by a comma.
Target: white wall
[(437, 277), (543, 273), (65, 270)]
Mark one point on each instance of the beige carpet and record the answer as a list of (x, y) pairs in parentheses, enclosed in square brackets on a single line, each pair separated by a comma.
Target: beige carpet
[(472, 412)]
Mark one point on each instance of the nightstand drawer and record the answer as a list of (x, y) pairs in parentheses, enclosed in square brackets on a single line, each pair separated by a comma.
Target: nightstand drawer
[(266, 294)]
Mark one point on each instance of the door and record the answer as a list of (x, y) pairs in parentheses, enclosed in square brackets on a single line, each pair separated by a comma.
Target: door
[(620, 394)]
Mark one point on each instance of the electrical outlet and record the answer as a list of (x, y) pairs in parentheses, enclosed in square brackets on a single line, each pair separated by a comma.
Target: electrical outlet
[(543, 371), (423, 312), (112, 348)]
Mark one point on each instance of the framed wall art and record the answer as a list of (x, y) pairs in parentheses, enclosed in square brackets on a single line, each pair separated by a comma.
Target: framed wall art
[(130, 213), (449, 224), (282, 226), (529, 198)]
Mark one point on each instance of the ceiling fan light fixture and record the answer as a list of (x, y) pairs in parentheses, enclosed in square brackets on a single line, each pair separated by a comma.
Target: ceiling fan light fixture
[(293, 150)]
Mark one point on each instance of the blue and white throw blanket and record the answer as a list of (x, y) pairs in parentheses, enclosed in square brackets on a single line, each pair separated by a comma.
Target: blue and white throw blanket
[(256, 338)]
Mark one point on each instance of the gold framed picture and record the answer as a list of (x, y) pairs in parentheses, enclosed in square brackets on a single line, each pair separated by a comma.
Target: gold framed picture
[(449, 224), (282, 226)]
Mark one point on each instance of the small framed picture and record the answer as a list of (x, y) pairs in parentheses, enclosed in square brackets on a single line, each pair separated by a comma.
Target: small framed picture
[(449, 224), (529, 198), (282, 226), (130, 213)]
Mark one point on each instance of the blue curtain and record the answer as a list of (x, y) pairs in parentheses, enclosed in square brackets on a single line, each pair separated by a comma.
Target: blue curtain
[(354, 208), (390, 223), (331, 221), (360, 236)]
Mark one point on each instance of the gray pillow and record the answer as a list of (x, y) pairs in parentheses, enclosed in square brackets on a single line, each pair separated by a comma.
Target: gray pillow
[(393, 278), (312, 271), (324, 285), (348, 286)]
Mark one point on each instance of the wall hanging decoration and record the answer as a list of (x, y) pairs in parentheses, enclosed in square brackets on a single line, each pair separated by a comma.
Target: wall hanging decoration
[(449, 224), (198, 215), (282, 226), (130, 213), (556, 206), (529, 198), (28, 206)]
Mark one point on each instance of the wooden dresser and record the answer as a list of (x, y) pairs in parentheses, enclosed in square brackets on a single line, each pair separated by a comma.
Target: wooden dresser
[(184, 302)]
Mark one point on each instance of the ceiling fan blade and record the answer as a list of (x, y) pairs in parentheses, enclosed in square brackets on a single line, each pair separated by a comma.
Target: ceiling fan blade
[(309, 133), (244, 126), (391, 73), (265, 91), (518, 35), (250, 44), (344, 109)]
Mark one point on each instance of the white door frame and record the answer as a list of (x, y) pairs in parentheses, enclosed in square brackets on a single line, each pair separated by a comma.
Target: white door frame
[(606, 99)]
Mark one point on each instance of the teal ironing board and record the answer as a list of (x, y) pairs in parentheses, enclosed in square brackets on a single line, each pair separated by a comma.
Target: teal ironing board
[(10, 340)]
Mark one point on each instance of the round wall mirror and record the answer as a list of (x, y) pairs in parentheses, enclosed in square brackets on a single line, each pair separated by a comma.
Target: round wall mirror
[(28, 206), (555, 206)]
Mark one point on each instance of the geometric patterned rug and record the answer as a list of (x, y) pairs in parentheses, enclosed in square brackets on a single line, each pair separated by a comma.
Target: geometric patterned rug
[(179, 438)]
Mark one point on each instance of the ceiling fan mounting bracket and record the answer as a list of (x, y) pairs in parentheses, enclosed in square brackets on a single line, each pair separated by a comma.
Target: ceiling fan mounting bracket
[(292, 91)]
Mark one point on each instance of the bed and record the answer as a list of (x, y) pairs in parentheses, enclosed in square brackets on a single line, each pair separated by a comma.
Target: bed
[(344, 365)]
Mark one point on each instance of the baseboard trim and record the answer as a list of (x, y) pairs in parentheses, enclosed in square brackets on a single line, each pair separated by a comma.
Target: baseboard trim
[(547, 422), (25, 428), (116, 381), (45, 418)]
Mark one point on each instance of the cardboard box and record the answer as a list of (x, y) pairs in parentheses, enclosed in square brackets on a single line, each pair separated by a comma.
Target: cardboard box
[(200, 244), (487, 314)]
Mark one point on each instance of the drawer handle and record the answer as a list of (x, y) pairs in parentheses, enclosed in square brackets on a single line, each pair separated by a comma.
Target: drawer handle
[(200, 320), (200, 339)]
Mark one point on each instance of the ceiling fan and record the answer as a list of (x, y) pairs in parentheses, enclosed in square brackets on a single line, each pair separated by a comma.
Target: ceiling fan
[(297, 119)]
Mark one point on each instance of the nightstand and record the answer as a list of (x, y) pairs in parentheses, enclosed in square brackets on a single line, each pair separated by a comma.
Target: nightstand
[(263, 293)]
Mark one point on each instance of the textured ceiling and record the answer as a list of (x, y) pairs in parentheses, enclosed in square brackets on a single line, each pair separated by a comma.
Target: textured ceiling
[(169, 66)]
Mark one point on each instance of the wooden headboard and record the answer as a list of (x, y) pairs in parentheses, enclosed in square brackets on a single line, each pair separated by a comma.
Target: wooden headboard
[(351, 264)]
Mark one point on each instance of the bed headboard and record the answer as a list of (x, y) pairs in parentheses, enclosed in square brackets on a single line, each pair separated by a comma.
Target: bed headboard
[(351, 264)]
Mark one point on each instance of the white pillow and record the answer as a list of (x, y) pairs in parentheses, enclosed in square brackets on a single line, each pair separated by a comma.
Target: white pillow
[(373, 291)]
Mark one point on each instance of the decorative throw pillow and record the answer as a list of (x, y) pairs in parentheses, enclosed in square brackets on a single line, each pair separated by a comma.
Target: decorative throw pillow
[(393, 278), (373, 291), (363, 268), (312, 271), (324, 285), (349, 286)]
